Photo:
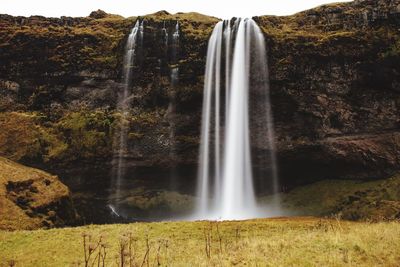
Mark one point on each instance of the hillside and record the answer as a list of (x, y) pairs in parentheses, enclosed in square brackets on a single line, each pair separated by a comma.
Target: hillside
[(32, 199)]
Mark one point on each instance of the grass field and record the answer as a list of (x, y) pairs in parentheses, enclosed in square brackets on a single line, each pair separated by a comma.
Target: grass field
[(301, 241)]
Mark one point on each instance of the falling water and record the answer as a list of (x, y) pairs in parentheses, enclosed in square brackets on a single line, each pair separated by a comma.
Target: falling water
[(211, 81), (175, 51), (226, 186), (165, 35), (174, 77), (120, 144)]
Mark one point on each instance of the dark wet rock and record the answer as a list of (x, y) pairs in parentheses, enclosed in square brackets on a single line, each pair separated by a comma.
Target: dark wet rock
[(92, 94), (9, 94)]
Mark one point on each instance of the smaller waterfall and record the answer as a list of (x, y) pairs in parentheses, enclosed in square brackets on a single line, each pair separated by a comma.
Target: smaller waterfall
[(120, 142), (141, 33), (228, 133), (165, 35), (174, 78), (174, 57)]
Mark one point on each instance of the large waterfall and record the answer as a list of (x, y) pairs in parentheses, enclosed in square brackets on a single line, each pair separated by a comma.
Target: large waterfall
[(231, 125), (120, 143)]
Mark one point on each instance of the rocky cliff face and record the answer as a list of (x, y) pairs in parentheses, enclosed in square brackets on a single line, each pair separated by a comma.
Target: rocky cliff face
[(335, 79), (335, 89), (61, 77)]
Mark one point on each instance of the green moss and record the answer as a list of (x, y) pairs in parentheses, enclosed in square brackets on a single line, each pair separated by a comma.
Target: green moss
[(135, 136), (188, 139), (87, 134), (146, 118), (343, 196), (53, 146), (161, 200), (105, 60), (77, 135), (393, 51)]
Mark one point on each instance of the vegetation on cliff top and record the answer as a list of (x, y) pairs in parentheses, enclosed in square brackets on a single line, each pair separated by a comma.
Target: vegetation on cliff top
[(66, 45), (352, 29), (70, 45), (193, 25)]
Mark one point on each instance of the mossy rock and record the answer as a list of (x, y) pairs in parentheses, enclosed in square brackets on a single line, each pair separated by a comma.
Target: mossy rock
[(353, 200)]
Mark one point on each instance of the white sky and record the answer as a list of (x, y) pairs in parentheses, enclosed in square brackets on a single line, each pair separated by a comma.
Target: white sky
[(127, 8)]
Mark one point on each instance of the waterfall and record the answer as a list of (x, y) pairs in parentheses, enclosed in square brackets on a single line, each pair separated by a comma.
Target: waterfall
[(204, 185), (120, 142), (232, 125), (174, 57), (172, 47), (174, 78), (165, 35)]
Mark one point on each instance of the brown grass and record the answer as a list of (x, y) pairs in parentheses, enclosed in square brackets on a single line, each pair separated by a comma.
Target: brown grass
[(302, 241)]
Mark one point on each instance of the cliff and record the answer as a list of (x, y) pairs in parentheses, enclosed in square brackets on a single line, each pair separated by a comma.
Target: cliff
[(335, 83), (335, 87), (60, 77)]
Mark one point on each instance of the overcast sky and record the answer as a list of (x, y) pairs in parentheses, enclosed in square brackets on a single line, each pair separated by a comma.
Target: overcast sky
[(127, 8)]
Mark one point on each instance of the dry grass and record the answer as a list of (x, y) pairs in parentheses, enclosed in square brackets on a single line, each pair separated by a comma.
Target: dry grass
[(270, 242), (19, 135)]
